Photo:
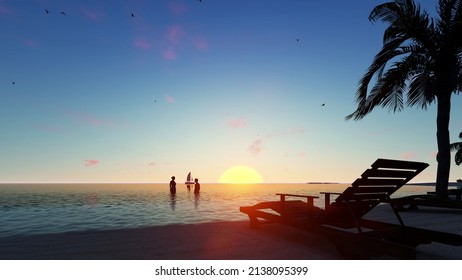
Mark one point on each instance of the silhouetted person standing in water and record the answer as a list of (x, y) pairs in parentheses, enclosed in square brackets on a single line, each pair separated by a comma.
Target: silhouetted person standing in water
[(197, 186), (173, 185)]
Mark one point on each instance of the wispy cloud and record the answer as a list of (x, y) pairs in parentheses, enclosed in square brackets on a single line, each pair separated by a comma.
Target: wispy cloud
[(177, 8), (170, 54), (30, 43), (4, 10), (177, 38), (238, 123), (174, 34), (256, 147), (93, 15), (169, 99), (95, 121), (408, 155), (201, 44), (142, 44), (92, 120), (91, 162)]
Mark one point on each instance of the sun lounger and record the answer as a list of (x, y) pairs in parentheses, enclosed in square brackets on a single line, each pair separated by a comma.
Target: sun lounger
[(412, 202), (343, 222)]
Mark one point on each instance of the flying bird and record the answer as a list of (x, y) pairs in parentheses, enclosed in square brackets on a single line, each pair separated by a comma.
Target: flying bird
[(63, 13), (46, 11), (133, 15), (13, 83), (323, 104), (298, 39)]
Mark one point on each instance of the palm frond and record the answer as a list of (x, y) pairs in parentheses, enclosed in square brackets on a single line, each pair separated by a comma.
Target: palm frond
[(449, 11), (375, 68), (387, 12), (409, 31), (391, 89), (421, 90), (458, 157), (457, 147)]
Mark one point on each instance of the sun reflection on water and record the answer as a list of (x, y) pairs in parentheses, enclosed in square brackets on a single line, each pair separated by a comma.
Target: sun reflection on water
[(33, 209)]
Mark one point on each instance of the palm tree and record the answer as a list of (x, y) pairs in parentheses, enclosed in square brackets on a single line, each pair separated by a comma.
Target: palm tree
[(457, 147), (425, 57)]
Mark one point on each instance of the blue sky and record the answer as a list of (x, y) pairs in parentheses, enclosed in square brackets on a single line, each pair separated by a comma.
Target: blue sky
[(100, 95)]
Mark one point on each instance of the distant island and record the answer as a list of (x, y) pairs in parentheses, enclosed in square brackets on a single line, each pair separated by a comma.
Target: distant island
[(451, 184)]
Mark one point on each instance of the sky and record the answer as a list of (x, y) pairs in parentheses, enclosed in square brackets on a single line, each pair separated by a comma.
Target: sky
[(138, 91)]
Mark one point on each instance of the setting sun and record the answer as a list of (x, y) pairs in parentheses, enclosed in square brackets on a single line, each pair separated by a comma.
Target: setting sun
[(240, 175)]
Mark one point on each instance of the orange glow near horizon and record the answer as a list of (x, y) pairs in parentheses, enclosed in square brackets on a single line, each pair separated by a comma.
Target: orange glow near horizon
[(240, 174)]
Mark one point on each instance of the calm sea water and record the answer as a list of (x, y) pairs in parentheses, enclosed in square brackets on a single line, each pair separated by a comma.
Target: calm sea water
[(27, 209)]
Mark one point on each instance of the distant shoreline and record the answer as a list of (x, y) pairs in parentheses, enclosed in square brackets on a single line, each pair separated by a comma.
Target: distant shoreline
[(451, 184), (321, 183)]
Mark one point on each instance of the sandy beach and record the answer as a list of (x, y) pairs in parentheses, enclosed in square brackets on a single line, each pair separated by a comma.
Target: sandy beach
[(216, 241), (220, 240)]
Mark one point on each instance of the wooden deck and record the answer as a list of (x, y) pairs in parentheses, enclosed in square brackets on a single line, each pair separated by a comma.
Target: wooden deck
[(343, 222)]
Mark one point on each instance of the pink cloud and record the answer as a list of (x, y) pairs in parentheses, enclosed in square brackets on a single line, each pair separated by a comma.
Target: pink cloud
[(170, 54), (174, 34), (169, 99), (408, 155), (201, 44), (256, 147), (91, 162), (92, 120), (4, 10), (93, 14), (30, 43), (177, 8), (238, 123), (142, 44)]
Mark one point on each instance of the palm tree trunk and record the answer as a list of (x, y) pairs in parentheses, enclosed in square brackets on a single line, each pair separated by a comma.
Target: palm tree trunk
[(443, 141)]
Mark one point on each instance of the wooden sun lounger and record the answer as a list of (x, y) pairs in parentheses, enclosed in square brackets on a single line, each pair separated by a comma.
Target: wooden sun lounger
[(343, 222), (412, 202)]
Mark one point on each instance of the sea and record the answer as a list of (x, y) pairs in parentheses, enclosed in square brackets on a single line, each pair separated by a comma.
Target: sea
[(31, 209)]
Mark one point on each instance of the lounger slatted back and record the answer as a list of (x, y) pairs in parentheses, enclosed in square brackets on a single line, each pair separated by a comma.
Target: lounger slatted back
[(375, 186), (337, 221)]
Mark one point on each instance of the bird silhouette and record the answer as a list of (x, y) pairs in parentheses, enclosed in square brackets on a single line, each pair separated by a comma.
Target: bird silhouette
[(13, 83), (63, 13), (133, 15), (298, 39), (323, 104), (46, 11)]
